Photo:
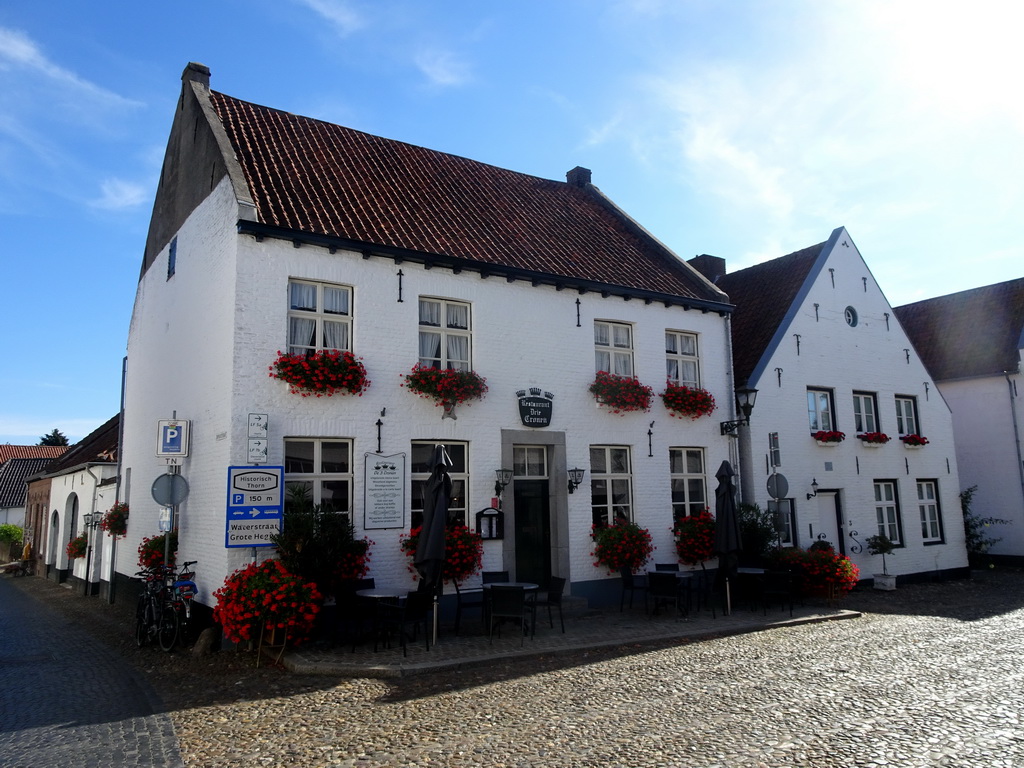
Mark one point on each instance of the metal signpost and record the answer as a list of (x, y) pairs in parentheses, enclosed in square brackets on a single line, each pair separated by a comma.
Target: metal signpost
[(255, 506)]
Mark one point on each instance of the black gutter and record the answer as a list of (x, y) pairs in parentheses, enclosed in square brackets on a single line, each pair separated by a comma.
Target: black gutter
[(486, 269)]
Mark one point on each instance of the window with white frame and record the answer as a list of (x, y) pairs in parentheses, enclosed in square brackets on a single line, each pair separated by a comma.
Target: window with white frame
[(613, 348), (887, 511), (319, 317), (529, 461), (928, 507), (689, 481), (865, 412), (422, 466), (319, 471), (906, 415), (445, 335), (611, 484), (785, 520), (820, 414), (681, 363)]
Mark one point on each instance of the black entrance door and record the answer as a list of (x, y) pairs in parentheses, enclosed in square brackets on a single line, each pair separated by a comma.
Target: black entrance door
[(532, 531)]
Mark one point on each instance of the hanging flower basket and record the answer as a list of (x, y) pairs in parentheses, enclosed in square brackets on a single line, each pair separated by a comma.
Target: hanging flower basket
[(828, 437), (914, 441), (463, 552), (321, 374), (447, 388), (874, 438), (621, 393), (695, 537), (623, 545), (687, 402), (266, 597), (77, 546), (151, 550), (115, 521)]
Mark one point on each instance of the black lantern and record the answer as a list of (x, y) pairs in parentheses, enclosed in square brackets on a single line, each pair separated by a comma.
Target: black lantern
[(745, 397)]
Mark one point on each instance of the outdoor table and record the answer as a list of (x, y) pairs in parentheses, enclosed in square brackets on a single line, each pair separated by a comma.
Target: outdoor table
[(529, 586), (684, 581), (381, 592)]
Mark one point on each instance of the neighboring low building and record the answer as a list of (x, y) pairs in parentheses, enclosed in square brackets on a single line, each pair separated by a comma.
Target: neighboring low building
[(815, 336), (972, 342), (13, 474)]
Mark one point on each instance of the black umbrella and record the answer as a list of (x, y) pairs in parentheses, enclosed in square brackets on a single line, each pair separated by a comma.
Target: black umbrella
[(727, 526), (429, 557)]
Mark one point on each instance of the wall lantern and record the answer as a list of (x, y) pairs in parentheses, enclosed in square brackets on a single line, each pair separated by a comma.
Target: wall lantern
[(575, 478), (503, 478), (91, 520), (745, 397), (814, 487)]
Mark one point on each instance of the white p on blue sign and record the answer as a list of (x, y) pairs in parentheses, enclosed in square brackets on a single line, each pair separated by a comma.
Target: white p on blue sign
[(172, 438)]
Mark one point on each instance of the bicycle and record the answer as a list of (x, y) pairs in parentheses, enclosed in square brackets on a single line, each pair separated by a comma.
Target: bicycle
[(181, 590), (154, 617)]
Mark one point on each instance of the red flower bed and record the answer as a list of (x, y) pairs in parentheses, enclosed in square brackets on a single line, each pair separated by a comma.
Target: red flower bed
[(321, 374), (819, 571), (269, 595)]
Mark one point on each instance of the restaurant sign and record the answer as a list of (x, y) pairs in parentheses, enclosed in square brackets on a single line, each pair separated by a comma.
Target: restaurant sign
[(535, 407)]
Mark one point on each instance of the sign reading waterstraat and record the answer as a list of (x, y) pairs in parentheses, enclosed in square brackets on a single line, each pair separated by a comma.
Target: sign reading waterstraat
[(254, 508)]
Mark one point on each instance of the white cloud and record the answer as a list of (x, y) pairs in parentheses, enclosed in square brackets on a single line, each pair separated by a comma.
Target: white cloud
[(443, 67), (118, 194), (342, 16)]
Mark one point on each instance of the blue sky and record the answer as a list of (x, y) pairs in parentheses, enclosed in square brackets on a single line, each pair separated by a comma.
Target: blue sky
[(746, 130)]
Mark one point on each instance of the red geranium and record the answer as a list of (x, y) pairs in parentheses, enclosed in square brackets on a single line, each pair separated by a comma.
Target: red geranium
[(687, 402), (266, 594), (695, 537), (623, 545), (463, 551), (321, 374), (621, 393)]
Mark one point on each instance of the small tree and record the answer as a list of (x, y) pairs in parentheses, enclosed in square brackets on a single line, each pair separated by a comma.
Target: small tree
[(977, 538), (10, 536), (54, 438), (880, 545)]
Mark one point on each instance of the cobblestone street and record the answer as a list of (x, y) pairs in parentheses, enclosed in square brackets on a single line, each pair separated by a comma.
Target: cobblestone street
[(929, 675)]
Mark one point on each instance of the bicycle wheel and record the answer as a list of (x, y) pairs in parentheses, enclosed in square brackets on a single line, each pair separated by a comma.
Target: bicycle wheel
[(168, 627), (141, 626)]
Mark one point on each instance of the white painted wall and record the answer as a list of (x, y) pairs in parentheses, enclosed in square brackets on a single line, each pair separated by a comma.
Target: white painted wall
[(201, 344), (875, 356)]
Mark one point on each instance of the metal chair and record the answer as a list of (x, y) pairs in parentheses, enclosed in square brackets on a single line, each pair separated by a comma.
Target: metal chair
[(664, 588), (776, 585), (468, 599), (631, 584), (397, 615), (494, 577), (508, 603), (553, 599)]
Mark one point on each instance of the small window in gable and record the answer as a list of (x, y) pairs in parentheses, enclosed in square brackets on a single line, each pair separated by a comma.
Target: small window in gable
[(172, 258)]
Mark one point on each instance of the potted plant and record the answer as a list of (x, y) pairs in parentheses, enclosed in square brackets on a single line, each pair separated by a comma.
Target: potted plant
[(687, 402), (463, 552), (828, 437), (623, 545), (873, 438), (819, 570), (621, 393), (321, 374), (913, 441), (695, 537), (882, 545), (115, 521), (446, 387), (77, 546)]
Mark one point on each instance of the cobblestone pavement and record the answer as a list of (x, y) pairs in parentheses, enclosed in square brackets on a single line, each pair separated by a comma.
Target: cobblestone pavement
[(929, 675), (66, 700)]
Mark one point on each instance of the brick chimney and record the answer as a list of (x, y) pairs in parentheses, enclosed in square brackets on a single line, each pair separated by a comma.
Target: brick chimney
[(712, 267), (199, 73), (578, 177)]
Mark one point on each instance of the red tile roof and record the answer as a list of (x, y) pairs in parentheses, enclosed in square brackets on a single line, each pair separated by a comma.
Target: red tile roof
[(967, 334), (311, 176), (763, 294), (8, 451)]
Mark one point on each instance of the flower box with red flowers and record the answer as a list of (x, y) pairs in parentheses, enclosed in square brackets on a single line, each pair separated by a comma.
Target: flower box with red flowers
[(446, 387), (687, 402), (623, 545), (874, 438), (321, 374), (828, 437), (621, 394), (914, 441)]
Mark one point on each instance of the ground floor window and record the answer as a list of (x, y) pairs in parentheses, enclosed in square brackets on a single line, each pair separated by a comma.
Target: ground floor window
[(319, 471), (887, 511), (611, 484), (689, 481), (529, 461), (785, 521), (928, 507), (420, 469)]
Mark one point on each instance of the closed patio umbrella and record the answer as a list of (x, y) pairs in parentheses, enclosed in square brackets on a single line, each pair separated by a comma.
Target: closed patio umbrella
[(429, 557), (727, 527)]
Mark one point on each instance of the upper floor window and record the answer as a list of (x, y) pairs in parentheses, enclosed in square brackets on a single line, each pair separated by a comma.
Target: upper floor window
[(820, 413), (681, 361), (689, 481), (172, 258), (319, 317), (865, 410), (319, 471), (421, 469), (611, 484), (928, 507), (445, 335), (906, 416), (887, 511), (613, 348)]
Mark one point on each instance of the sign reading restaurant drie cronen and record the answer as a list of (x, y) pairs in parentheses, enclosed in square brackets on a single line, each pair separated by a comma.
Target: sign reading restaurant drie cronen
[(535, 407), (383, 491)]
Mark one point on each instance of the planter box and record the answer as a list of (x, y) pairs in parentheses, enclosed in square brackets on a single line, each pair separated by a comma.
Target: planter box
[(885, 581), (866, 444), (910, 447), (829, 444)]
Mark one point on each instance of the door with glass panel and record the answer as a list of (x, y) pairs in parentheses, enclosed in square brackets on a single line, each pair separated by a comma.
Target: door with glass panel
[(532, 513)]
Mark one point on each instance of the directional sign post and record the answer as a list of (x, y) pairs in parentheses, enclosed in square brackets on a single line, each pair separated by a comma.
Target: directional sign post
[(254, 506)]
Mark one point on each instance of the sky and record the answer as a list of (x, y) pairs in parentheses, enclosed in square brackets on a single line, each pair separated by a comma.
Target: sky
[(746, 130)]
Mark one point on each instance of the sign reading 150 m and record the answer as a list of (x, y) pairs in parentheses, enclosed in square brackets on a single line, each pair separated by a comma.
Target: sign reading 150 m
[(254, 507)]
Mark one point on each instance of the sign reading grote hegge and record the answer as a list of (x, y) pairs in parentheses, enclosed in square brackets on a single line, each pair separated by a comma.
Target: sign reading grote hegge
[(535, 407), (383, 491)]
